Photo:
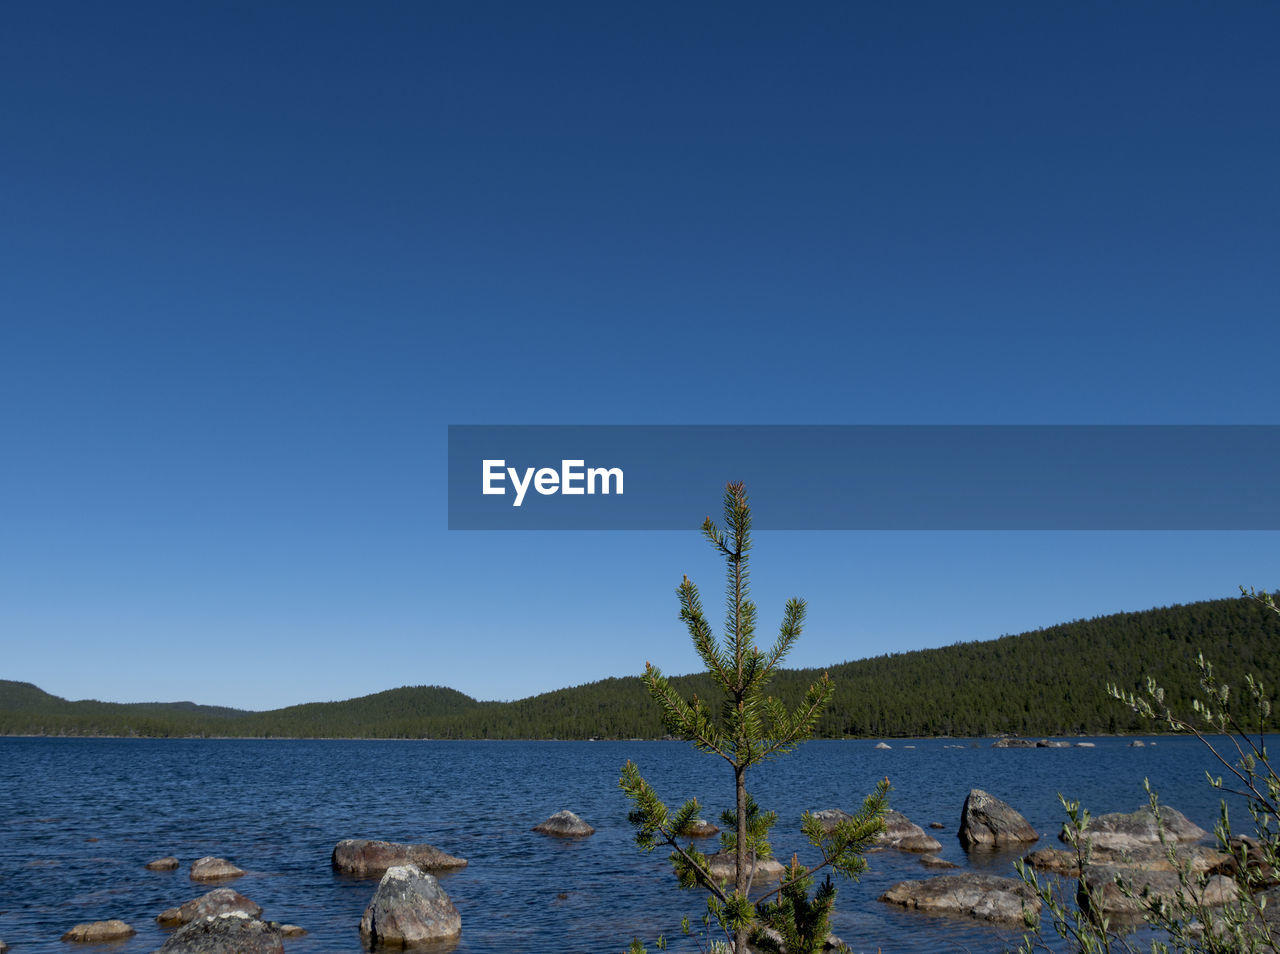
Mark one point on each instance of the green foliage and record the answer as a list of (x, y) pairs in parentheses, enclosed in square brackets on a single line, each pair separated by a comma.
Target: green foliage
[(745, 727), (1038, 683), (1186, 920)]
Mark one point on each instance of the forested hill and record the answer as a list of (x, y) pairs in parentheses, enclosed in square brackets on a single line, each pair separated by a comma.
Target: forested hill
[(1047, 682)]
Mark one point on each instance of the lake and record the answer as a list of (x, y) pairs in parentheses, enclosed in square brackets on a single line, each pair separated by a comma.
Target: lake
[(80, 817)]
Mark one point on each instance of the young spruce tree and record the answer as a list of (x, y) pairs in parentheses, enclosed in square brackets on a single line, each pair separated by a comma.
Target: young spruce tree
[(745, 729)]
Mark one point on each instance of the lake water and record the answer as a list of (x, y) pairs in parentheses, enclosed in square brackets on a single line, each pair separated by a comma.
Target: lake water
[(276, 809)]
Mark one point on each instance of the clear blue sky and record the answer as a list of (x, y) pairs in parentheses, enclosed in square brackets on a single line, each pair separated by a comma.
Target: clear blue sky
[(255, 257)]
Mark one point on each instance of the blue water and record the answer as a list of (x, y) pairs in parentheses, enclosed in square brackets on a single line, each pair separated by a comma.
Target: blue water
[(276, 809)]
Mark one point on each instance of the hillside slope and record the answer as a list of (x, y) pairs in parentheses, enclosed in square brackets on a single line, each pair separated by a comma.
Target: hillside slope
[(1046, 682)]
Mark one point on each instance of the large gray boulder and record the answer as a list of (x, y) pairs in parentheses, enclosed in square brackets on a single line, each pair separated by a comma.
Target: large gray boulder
[(902, 833), (565, 824), (209, 868), (1099, 891), (225, 934), (365, 858), (218, 901), (1118, 831), (981, 896), (987, 822), (1199, 859), (97, 932), (409, 908)]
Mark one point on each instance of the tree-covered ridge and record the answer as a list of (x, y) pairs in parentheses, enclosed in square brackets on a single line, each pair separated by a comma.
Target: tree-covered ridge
[(1046, 682)]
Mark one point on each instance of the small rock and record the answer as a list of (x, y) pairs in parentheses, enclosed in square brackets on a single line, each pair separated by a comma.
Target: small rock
[(987, 822), (1086, 745), (565, 824), (98, 931), (1056, 860), (902, 833), (365, 858), (1052, 744), (830, 817), (408, 908), (933, 861), (724, 867), (163, 864), (216, 902), (982, 896), (700, 828), (883, 745), (292, 930), (225, 934), (1137, 744), (3, 947), (937, 825), (209, 868), (1013, 744)]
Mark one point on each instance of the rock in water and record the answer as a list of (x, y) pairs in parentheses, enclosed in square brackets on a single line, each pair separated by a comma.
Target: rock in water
[(830, 817), (163, 864), (902, 833), (883, 745), (980, 896), (209, 868), (225, 934), (987, 822), (565, 824), (700, 828), (409, 907), (1103, 894), (362, 857), (723, 866), (218, 901), (1118, 831), (98, 931)]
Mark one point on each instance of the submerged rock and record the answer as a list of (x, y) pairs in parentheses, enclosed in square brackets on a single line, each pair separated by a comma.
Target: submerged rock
[(225, 934), (933, 861), (981, 896), (565, 824), (163, 864), (365, 858), (409, 908), (218, 901), (1118, 831), (95, 932), (987, 822), (209, 868), (902, 833)]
